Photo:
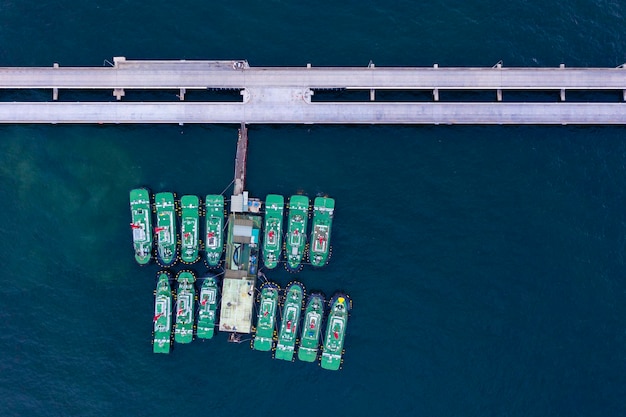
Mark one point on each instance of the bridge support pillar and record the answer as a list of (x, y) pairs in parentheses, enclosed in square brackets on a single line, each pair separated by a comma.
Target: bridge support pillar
[(55, 91), (119, 93), (436, 90), (562, 89), (371, 65), (181, 95), (624, 95), (499, 91)]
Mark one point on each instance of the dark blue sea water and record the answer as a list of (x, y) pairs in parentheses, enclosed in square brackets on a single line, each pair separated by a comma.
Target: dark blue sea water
[(486, 264)]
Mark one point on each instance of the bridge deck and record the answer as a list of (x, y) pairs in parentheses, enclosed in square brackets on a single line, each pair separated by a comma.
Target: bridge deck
[(323, 113), (283, 95), (238, 75)]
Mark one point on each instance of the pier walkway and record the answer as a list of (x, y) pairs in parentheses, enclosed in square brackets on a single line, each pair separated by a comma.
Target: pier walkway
[(284, 94)]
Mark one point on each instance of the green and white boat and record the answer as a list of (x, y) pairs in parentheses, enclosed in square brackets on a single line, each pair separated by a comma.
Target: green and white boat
[(292, 307), (323, 210), (266, 319), (165, 228), (311, 328), (332, 351), (207, 308), (214, 245), (162, 331), (185, 298), (190, 228), (295, 241), (272, 230), (141, 224)]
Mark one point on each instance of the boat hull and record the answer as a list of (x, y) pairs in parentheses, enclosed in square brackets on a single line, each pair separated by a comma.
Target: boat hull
[(332, 351), (266, 318), (295, 239), (185, 300), (189, 228), (292, 309), (311, 328), (141, 225), (162, 322), (214, 240), (272, 230), (166, 228), (321, 225), (207, 310)]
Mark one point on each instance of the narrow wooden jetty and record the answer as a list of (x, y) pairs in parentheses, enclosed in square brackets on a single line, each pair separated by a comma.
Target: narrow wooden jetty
[(241, 160), (285, 94)]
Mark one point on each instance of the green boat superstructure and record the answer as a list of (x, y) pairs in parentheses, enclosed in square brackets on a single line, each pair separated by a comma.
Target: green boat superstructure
[(321, 225), (162, 331), (292, 309), (190, 228), (141, 224), (185, 300), (207, 308), (295, 240), (311, 328), (272, 230), (332, 351), (214, 243), (165, 228), (266, 318)]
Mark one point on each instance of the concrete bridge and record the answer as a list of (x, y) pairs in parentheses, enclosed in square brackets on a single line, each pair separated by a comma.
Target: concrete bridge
[(285, 94)]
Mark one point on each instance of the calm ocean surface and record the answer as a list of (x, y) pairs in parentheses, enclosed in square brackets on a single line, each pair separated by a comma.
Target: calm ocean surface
[(486, 264)]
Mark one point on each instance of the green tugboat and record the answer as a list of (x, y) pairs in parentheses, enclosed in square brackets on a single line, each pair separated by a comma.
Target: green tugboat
[(190, 228), (266, 319), (214, 229), (141, 224), (323, 209), (292, 307), (273, 229), (162, 332), (165, 228), (295, 241), (208, 308), (311, 328), (332, 351), (186, 295)]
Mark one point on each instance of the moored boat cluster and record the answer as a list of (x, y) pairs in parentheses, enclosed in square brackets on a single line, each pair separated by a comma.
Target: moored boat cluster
[(171, 249), (301, 332), (190, 320), (288, 322), (296, 246)]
